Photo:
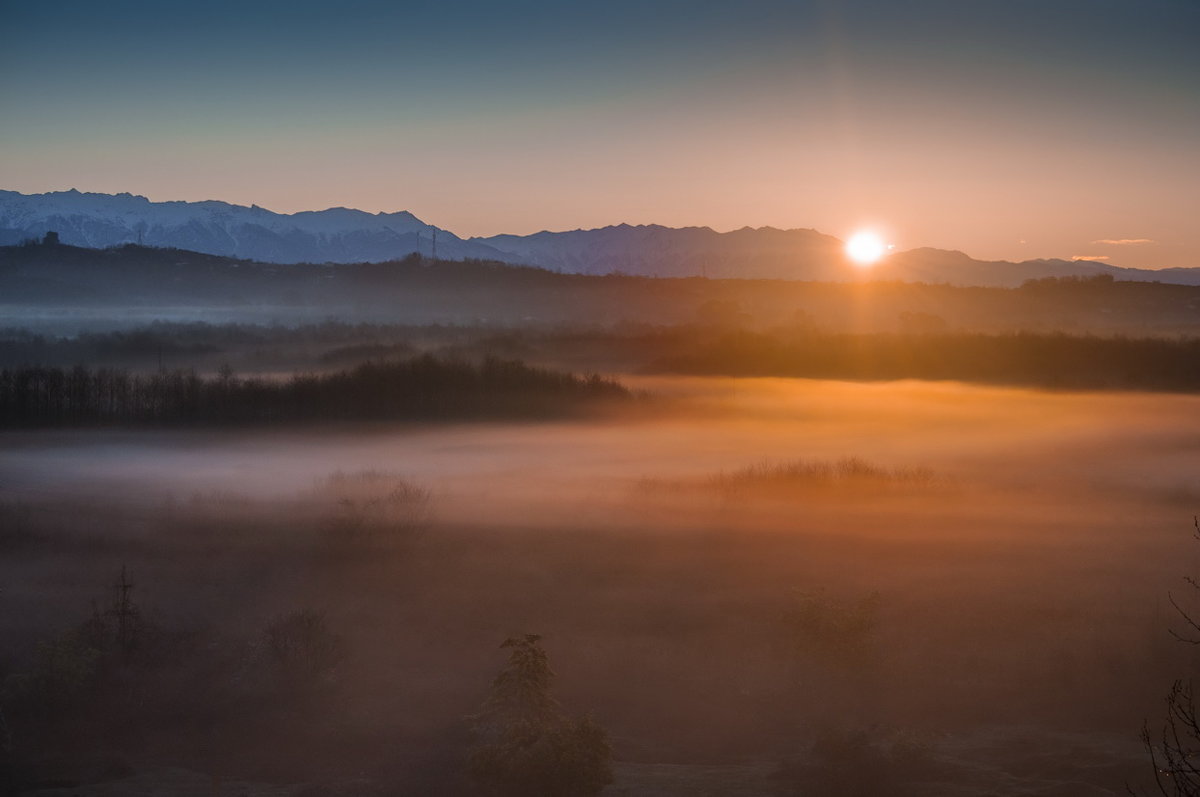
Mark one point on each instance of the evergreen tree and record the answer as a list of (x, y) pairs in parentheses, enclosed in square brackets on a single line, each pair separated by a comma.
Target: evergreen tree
[(528, 746)]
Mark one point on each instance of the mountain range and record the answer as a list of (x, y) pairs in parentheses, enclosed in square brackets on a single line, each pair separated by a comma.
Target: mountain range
[(345, 235)]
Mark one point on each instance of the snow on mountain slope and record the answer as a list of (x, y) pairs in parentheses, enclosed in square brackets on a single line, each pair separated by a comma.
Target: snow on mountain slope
[(339, 235), (653, 250), (344, 235)]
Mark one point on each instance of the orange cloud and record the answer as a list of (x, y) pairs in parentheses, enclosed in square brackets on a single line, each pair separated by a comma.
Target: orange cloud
[(1123, 242), (1089, 257)]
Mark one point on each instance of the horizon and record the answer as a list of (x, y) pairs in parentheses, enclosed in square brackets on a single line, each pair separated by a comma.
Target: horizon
[(415, 215), (815, 383), (1007, 130), (419, 217)]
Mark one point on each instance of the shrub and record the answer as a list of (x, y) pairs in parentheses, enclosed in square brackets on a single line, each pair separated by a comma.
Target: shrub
[(301, 651), (800, 473), (862, 762), (371, 505), (64, 670)]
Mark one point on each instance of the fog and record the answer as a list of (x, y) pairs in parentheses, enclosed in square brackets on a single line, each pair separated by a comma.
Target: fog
[(977, 437), (1022, 544)]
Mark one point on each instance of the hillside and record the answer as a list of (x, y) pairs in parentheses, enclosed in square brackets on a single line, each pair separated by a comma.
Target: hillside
[(336, 235), (64, 288), (344, 235)]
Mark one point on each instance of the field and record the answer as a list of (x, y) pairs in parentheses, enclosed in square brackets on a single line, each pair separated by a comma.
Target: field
[(755, 585)]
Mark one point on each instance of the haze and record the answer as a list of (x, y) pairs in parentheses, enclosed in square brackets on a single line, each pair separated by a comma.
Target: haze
[(1009, 130), (343, 504), (1020, 542)]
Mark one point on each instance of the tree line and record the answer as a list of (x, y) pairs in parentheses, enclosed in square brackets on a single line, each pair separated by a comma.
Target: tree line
[(1024, 358), (419, 388)]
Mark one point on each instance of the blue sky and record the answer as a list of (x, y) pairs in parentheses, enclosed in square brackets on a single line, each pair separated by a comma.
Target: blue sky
[(974, 125)]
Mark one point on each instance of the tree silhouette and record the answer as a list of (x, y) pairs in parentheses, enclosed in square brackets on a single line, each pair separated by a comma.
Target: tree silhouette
[(421, 387), (1175, 750), (528, 746)]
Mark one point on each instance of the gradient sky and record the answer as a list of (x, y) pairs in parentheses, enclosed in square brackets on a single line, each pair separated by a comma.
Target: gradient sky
[(1010, 129)]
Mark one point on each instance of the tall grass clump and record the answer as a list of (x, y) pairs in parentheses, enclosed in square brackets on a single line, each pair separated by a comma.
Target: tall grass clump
[(365, 507), (799, 473)]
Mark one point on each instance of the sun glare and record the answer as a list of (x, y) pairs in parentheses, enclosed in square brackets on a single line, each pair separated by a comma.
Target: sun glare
[(865, 247)]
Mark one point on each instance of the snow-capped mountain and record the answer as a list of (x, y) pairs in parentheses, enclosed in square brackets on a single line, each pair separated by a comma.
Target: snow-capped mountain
[(343, 235), (653, 250), (769, 253), (336, 235)]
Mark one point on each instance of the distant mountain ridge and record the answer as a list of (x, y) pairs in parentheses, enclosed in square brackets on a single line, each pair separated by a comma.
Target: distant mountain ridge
[(951, 266), (654, 250), (336, 235), (344, 235)]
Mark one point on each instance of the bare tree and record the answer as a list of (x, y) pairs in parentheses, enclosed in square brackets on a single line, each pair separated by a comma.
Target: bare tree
[(1175, 749)]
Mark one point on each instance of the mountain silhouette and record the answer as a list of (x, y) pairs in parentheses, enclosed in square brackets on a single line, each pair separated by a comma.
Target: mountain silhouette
[(345, 235)]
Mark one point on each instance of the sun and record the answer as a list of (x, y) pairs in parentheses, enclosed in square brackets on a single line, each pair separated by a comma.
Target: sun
[(865, 247)]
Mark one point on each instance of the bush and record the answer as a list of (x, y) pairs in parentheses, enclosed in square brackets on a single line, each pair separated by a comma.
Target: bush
[(862, 762), (801, 473), (301, 651), (65, 669), (371, 505)]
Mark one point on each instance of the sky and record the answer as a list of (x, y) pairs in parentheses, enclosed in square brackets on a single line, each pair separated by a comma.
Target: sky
[(1007, 129)]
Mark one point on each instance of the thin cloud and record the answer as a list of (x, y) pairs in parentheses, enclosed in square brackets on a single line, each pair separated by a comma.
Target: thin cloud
[(1124, 241), (1089, 257)]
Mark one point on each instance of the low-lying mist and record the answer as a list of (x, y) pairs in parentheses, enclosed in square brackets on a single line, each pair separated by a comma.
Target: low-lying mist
[(978, 437), (720, 581)]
